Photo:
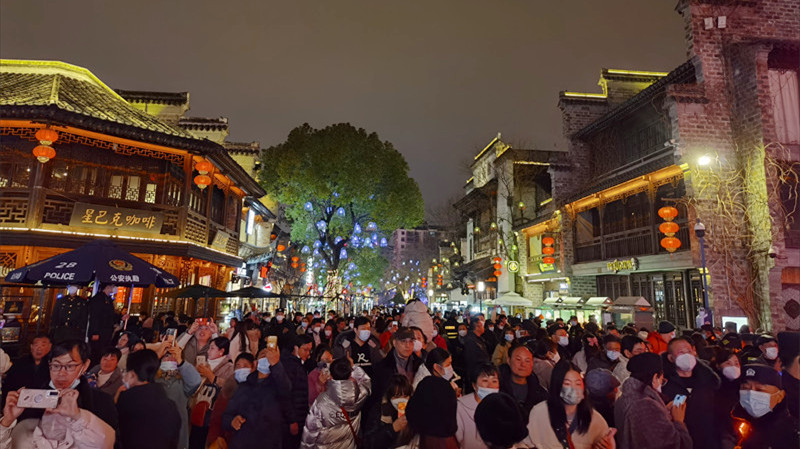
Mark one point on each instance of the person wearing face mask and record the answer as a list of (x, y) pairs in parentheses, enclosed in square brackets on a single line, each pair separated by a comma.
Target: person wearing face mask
[(500, 355), (763, 405), (391, 431), (691, 377), (179, 380), (360, 345), (487, 381), (318, 377), (145, 405), (566, 418), (196, 340), (642, 419), (439, 363), (558, 333), (475, 352), (609, 357), (85, 415), (490, 337), (768, 345), (334, 420), (244, 366), (631, 346), (590, 348), (315, 331), (293, 365), (438, 339), (658, 340), (518, 379), (545, 357), (257, 409), (70, 316), (727, 365), (102, 319)]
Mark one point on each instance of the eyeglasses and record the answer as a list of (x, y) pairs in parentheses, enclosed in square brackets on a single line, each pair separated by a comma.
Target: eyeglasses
[(59, 367)]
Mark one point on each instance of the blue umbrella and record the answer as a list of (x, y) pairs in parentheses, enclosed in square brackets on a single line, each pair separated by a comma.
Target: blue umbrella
[(99, 261)]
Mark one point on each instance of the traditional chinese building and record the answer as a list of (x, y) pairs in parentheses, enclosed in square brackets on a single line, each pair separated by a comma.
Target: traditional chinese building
[(113, 170)]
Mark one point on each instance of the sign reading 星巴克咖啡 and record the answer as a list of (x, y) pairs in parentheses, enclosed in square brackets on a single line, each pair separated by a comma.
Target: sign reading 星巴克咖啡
[(108, 217)]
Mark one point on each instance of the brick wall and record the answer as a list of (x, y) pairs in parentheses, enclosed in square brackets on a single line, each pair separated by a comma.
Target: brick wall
[(583, 286)]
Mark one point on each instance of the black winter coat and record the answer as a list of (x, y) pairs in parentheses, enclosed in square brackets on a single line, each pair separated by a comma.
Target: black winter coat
[(703, 384), (298, 377), (475, 354), (775, 430), (101, 316), (148, 418), (25, 373), (265, 406), (70, 317), (536, 393)]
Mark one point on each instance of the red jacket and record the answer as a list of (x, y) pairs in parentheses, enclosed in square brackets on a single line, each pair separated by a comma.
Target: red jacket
[(657, 344)]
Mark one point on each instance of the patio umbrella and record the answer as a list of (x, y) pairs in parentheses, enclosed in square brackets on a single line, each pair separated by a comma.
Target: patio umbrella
[(198, 291), (99, 261), (252, 292)]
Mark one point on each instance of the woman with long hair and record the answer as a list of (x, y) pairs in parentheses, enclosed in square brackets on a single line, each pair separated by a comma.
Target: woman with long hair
[(500, 355), (567, 419)]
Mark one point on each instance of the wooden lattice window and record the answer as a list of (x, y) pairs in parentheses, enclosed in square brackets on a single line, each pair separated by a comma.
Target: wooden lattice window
[(15, 172)]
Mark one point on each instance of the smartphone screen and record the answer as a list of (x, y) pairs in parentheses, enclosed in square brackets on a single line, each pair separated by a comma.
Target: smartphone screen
[(171, 333), (678, 400)]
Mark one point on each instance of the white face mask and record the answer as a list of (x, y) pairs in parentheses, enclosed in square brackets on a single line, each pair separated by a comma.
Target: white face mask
[(510, 337), (169, 365), (462, 333), (563, 340), (241, 374), (685, 362), (756, 403), (642, 335), (71, 387), (731, 372), (483, 392), (303, 324), (417, 346), (435, 332), (771, 353), (315, 329), (328, 332), (556, 357), (612, 355), (363, 335), (397, 401), (491, 328), (571, 396), (263, 366), (449, 372), (279, 318)]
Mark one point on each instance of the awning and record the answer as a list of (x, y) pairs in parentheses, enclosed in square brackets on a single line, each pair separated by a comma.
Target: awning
[(551, 301), (512, 299), (570, 301), (631, 301), (598, 301)]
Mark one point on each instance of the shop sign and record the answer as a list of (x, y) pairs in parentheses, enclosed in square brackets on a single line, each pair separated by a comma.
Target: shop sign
[(108, 217), (546, 267), (617, 265), (220, 241), (513, 266)]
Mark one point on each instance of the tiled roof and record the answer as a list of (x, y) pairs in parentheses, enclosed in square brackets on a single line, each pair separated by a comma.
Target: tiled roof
[(144, 96), (72, 89), (204, 123)]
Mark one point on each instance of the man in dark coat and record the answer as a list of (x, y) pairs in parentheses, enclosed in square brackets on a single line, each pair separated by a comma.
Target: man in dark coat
[(518, 380), (260, 406), (363, 348), (70, 317), (789, 342), (148, 418), (30, 371), (475, 352), (693, 378), (101, 321), (293, 364), (769, 424), (609, 357)]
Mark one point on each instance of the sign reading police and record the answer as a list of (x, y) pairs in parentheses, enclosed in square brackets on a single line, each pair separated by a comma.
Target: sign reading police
[(108, 217)]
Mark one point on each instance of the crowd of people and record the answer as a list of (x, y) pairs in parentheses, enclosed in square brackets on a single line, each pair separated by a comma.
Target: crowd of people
[(391, 378)]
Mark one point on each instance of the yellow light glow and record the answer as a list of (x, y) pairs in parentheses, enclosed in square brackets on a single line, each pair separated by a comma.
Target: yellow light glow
[(487, 148), (544, 164), (704, 160), (584, 95), (636, 72), (470, 180), (547, 201)]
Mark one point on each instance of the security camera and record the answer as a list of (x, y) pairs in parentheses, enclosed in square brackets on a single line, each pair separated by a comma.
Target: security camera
[(772, 252)]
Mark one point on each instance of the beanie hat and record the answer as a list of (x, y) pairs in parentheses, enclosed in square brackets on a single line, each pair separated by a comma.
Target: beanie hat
[(762, 374), (600, 382), (665, 327), (499, 420), (645, 365), (431, 411)]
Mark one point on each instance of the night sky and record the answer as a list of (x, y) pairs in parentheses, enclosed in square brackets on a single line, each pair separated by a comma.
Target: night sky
[(437, 78)]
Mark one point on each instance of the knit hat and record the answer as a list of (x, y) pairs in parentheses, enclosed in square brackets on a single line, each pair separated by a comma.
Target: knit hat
[(788, 345), (762, 374), (600, 382), (732, 340), (499, 420), (665, 327), (764, 339), (645, 364), (431, 411)]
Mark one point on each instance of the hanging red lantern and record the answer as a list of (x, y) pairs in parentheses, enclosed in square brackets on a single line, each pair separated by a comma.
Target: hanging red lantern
[(303, 270), (549, 250), (668, 213), (671, 243), (281, 247), (273, 236), (498, 266), (497, 260), (202, 181), (46, 136), (44, 153), (548, 260), (295, 264), (498, 273), (295, 259), (669, 228), (203, 167), (548, 241)]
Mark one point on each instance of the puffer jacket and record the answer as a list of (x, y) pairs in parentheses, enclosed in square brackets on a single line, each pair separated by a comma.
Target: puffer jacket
[(643, 420), (326, 426), (416, 314)]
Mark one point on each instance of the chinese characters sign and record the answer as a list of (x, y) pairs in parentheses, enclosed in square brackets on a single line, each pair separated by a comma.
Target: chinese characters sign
[(619, 265), (108, 217)]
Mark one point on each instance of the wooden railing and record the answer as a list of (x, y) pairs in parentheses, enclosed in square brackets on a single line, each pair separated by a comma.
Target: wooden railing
[(634, 242)]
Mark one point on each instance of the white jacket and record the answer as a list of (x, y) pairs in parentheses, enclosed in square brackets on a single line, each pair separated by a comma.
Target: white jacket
[(57, 432), (326, 426), (467, 433), (416, 314)]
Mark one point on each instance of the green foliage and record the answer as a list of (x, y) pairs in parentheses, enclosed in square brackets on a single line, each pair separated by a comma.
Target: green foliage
[(340, 166)]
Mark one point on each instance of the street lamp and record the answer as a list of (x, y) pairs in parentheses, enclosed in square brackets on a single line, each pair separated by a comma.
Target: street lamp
[(481, 288), (700, 232), (704, 160)]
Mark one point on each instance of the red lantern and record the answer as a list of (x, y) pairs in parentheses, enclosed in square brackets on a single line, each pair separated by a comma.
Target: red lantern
[(303, 270), (497, 260), (273, 236), (549, 260), (295, 259), (668, 213), (549, 250), (498, 273), (44, 153), (202, 181), (671, 243), (498, 266), (669, 228), (295, 264), (281, 247), (203, 167), (548, 241), (46, 136)]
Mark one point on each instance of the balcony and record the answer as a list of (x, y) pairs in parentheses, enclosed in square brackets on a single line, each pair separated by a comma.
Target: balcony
[(635, 242)]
